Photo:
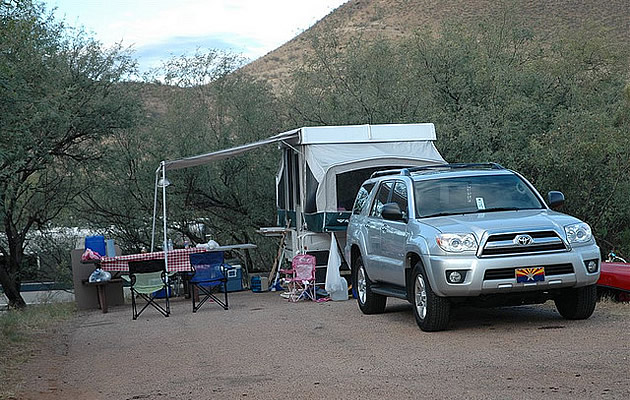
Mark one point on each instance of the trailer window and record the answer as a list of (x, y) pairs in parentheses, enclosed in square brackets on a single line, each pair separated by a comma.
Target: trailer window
[(281, 192), (348, 184), (290, 188), (310, 205)]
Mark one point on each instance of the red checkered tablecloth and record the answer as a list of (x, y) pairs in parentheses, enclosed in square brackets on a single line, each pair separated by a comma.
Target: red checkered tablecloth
[(178, 260)]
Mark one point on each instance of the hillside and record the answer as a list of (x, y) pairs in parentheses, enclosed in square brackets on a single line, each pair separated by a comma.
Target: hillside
[(401, 18)]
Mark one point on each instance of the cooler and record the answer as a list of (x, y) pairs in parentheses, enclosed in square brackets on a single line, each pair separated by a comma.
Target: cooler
[(235, 279)]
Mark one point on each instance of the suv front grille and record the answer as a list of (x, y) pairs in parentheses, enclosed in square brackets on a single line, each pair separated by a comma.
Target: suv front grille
[(509, 273), (506, 244)]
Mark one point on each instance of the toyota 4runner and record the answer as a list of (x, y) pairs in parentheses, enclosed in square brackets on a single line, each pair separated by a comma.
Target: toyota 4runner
[(467, 233)]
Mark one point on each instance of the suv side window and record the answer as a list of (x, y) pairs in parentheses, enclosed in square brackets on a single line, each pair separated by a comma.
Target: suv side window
[(381, 198), (362, 196), (399, 196)]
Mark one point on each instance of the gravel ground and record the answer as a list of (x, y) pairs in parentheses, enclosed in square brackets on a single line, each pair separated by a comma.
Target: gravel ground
[(267, 348)]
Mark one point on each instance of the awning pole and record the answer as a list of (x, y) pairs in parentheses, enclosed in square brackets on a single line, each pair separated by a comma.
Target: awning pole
[(164, 219), (155, 195)]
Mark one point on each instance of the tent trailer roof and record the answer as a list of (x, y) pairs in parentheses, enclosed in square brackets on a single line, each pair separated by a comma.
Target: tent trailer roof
[(361, 134)]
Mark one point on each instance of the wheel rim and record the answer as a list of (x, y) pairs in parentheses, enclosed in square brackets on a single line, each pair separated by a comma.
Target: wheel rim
[(421, 297), (361, 287)]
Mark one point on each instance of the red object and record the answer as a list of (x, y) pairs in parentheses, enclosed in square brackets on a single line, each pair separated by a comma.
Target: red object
[(615, 276), (178, 260), (90, 255)]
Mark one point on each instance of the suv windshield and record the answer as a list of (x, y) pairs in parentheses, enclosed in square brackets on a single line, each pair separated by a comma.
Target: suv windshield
[(473, 194)]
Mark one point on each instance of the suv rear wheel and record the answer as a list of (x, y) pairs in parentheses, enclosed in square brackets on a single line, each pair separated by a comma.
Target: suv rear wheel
[(432, 312), (369, 302), (577, 303)]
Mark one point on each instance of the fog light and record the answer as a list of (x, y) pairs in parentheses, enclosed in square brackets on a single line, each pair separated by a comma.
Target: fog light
[(591, 266), (455, 276)]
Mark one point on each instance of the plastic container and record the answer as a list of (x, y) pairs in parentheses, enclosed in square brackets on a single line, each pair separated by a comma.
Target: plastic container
[(259, 284), (110, 250), (95, 243), (342, 294)]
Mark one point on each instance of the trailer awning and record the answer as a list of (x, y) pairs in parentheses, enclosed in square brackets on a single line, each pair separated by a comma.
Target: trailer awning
[(226, 153)]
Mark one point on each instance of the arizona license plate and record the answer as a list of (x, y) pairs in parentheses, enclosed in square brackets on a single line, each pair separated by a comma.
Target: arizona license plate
[(530, 275)]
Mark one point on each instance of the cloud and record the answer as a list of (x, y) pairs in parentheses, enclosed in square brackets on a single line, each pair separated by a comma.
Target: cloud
[(251, 27), (154, 54)]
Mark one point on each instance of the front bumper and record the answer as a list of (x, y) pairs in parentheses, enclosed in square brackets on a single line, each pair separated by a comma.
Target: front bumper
[(475, 283)]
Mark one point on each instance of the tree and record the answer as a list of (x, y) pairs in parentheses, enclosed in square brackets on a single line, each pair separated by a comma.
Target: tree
[(364, 81), (204, 105), (60, 100)]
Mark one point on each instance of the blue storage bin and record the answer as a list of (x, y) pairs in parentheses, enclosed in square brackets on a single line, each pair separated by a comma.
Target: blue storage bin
[(160, 293), (95, 243)]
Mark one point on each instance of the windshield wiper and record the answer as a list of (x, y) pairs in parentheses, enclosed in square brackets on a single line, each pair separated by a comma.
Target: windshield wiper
[(497, 209), (494, 209), (442, 214)]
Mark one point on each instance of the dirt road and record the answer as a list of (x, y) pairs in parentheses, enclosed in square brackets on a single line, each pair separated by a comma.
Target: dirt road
[(267, 348)]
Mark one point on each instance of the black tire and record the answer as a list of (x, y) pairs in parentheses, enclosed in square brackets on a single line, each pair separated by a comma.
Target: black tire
[(577, 303), (369, 302), (432, 312)]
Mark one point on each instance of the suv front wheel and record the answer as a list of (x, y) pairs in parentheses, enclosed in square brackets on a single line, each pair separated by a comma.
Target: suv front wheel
[(432, 312), (577, 303), (369, 302)]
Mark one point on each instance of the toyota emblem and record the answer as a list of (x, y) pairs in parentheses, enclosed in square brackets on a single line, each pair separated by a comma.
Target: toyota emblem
[(523, 240)]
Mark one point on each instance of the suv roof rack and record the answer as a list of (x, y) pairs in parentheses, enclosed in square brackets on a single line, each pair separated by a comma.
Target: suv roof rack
[(408, 171)]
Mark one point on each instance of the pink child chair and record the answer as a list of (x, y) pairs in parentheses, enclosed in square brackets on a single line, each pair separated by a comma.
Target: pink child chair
[(301, 279)]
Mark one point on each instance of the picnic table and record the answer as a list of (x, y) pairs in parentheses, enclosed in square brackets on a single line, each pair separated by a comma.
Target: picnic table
[(178, 259)]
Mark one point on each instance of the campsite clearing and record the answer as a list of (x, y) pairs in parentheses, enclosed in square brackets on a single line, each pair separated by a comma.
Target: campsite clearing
[(264, 347)]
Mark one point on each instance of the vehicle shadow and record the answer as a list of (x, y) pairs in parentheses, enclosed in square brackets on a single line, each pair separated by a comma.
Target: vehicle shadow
[(540, 316)]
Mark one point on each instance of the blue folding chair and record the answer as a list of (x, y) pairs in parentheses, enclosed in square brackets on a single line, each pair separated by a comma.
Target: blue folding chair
[(208, 273)]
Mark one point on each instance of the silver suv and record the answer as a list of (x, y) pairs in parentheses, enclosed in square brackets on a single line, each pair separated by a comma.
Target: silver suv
[(467, 233)]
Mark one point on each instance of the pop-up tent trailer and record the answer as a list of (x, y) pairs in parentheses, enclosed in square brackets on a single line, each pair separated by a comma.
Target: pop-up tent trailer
[(321, 170)]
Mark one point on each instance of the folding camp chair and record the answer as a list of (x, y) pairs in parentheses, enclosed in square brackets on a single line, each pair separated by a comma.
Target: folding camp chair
[(148, 277), (209, 273), (301, 278)]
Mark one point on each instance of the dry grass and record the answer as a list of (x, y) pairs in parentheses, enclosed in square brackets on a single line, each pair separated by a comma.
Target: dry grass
[(613, 307), (21, 333)]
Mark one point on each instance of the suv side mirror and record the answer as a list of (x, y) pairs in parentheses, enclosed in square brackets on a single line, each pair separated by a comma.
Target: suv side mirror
[(392, 212), (555, 199)]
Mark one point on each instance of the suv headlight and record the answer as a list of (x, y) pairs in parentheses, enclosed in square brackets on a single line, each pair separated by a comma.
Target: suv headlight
[(578, 233), (456, 242)]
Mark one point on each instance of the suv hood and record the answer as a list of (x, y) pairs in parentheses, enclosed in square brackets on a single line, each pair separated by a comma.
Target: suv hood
[(501, 221)]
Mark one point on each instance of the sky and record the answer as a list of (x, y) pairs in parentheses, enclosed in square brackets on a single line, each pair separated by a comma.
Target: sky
[(159, 29)]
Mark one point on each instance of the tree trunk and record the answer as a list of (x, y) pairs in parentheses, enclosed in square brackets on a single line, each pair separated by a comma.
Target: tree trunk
[(11, 287), (10, 269)]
